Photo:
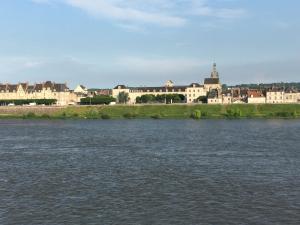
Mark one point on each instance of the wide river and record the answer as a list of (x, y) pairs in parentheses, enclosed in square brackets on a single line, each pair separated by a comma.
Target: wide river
[(149, 172)]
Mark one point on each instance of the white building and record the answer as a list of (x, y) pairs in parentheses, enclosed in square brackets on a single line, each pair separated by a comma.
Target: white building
[(256, 97), (46, 90), (191, 92)]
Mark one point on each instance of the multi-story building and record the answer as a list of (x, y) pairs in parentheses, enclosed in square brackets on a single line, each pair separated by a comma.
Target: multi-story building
[(291, 96), (275, 96), (47, 90), (192, 92), (214, 97), (256, 97)]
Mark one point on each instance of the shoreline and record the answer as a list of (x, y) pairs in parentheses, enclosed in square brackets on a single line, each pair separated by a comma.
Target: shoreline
[(176, 111)]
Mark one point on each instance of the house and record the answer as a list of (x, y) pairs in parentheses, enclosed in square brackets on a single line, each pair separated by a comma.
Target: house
[(227, 97), (256, 97), (214, 97), (81, 90), (291, 95), (275, 96)]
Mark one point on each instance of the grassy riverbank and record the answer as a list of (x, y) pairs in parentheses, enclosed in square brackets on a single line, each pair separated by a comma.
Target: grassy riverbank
[(154, 111)]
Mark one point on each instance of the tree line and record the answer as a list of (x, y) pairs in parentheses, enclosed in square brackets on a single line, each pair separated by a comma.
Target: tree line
[(164, 98), (28, 101), (97, 100)]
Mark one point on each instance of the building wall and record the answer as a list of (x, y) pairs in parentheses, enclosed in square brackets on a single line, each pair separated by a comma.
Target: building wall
[(209, 87), (290, 97), (256, 100), (214, 101), (275, 97), (63, 98), (227, 99), (193, 93)]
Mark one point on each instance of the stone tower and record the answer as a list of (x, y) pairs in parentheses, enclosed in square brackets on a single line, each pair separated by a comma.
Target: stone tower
[(214, 73)]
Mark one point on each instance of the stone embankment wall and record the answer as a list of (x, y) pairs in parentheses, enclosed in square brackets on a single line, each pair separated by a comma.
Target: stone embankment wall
[(22, 110)]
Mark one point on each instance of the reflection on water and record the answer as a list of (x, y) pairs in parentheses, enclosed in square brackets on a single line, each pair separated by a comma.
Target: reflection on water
[(150, 172)]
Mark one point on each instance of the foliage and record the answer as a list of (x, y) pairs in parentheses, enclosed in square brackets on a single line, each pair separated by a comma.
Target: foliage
[(97, 100), (123, 97), (45, 116), (130, 115), (202, 99), (92, 114), (172, 111), (28, 101), (146, 99), (156, 116), (30, 115), (233, 113), (105, 117), (165, 98), (196, 114)]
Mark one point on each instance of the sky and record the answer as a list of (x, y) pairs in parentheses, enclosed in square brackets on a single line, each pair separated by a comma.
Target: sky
[(103, 43)]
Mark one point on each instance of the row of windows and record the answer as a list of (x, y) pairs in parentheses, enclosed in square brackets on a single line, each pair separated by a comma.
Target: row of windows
[(141, 91), (195, 90)]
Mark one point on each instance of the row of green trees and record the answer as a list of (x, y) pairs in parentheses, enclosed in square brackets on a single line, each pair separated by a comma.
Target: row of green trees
[(165, 98), (28, 101), (97, 100)]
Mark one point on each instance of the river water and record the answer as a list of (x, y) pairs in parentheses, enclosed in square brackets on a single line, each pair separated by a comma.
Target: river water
[(149, 172)]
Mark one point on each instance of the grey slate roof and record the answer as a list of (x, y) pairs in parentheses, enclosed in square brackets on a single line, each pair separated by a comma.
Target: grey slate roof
[(211, 81)]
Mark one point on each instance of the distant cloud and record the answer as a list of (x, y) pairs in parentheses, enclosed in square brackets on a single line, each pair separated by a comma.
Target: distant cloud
[(166, 13), (202, 8), (160, 65)]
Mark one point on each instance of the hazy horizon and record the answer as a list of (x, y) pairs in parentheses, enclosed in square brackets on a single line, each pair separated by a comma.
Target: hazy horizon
[(102, 43)]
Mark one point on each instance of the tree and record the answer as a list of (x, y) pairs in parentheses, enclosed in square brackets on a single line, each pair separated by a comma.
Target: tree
[(97, 100), (123, 97), (146, 99)]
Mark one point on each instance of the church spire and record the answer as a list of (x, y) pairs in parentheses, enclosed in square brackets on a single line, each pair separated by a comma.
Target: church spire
[(214, 73)]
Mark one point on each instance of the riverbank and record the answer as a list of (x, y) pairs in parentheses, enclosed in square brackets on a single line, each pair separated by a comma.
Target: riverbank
[(154, 111)]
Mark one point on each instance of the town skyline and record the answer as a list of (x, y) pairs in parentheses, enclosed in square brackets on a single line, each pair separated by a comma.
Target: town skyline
[(104, 43)]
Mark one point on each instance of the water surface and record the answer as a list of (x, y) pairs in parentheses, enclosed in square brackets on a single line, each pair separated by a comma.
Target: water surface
[(150, 172)]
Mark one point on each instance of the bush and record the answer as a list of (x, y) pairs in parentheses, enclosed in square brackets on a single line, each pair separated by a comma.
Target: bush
[(28, 101), (63, 115), (156, 116), (164, 98), (286, 114), (130, 115), (45, 116), (196, 114), (75, 115), (92, 114), (29, 115), (97, 100), (233, 113), (105, 117)]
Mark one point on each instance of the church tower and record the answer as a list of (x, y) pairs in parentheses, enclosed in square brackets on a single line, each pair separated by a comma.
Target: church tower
[(214, 73)]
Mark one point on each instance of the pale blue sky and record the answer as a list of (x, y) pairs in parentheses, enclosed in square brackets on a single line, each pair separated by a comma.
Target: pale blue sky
[(101, 43)]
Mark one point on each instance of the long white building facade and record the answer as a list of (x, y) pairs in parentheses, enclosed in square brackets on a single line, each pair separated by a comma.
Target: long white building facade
[(191, 92), (46, 90)]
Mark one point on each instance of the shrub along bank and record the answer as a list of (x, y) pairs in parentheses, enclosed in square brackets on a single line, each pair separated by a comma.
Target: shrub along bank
[(163, 112), (28, 101)]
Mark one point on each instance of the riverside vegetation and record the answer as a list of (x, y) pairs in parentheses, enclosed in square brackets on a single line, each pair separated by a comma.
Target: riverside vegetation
[(160, 112)]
